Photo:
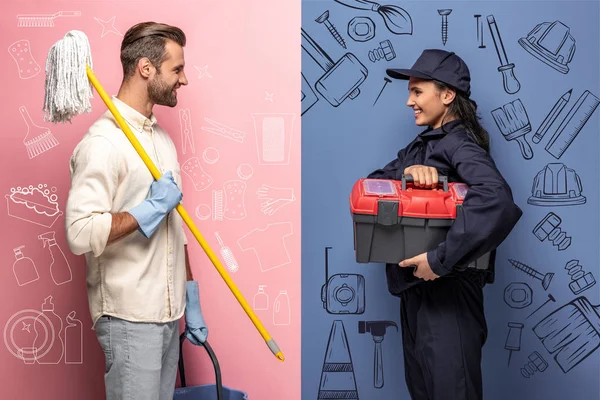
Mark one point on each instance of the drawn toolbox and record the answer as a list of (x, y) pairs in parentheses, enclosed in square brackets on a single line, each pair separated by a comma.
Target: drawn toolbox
[(394, 220)]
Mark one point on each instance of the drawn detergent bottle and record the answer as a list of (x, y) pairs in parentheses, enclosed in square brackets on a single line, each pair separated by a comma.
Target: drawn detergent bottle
[(281, 309), (59, 268), (48, 334), (73, 340), (261, 299), (24, 268)]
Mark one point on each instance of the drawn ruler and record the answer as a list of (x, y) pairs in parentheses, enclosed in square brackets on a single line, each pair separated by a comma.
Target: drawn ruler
[(570, 127)]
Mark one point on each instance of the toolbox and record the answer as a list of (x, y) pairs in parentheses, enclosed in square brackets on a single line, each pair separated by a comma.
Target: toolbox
[(394, 220)]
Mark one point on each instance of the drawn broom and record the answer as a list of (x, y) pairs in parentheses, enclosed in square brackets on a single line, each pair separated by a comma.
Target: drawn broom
[(67, 94)]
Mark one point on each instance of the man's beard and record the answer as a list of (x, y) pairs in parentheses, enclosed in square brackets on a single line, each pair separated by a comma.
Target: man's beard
[(160, 93)]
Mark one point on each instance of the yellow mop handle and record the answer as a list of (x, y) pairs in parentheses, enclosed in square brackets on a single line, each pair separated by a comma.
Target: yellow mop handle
[(184, 215)]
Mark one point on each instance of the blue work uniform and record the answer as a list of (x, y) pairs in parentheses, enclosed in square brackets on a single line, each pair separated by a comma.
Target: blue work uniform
[(443, 322)]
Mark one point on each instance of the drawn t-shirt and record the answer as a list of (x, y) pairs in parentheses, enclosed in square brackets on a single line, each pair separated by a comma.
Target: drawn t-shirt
[(268, 245)]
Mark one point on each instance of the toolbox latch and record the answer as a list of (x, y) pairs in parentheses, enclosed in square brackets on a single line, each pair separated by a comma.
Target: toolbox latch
[(387, 212)]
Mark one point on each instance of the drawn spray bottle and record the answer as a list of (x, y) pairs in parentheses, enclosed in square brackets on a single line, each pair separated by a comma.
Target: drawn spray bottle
[(59, 268)]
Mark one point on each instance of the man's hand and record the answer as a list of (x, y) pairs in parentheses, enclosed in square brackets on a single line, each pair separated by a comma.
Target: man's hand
[(422, 270), (423, 175)]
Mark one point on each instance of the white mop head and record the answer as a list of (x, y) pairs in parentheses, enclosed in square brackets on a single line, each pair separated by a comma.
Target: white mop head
[(68, 89)]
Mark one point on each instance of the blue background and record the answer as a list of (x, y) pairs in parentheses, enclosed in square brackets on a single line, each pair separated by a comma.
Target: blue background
[(344, 143)]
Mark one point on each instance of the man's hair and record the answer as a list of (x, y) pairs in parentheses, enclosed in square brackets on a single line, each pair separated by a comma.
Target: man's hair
[(147, 39)]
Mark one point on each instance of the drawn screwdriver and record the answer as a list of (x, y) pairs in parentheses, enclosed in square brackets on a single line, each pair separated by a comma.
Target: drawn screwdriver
[(511, 84)]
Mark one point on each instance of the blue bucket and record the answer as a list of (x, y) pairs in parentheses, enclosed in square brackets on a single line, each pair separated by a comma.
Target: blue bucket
[(204, 392), (207, 392)]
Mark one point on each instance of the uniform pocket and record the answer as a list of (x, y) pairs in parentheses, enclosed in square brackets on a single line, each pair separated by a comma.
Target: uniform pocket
[(104, 334)]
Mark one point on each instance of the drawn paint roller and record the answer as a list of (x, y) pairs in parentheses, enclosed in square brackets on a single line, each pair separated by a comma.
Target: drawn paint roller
[(377, 329), (511, 84), (513, 122), (341, 79), (572, 332), (570, 127)]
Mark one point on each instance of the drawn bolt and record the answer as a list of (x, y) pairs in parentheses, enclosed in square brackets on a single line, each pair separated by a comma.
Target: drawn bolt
[(479, 30), (546, 279), (580, 280), (536, 363), (444, 13), (385, 50), (324, 19), (548, 228)]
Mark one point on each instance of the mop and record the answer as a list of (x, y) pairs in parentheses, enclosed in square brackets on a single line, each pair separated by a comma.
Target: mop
[(68, 93)]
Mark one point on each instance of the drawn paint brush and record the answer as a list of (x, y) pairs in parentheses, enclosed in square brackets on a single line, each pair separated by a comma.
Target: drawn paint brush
[(572, 332), (513, 122), (551, 117)]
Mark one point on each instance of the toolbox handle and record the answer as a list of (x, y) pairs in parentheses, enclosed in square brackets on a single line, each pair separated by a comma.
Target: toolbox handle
[(441, 179)]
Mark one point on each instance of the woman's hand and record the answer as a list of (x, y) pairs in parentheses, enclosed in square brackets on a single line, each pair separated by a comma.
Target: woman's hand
[(423, 175), (422, 267)]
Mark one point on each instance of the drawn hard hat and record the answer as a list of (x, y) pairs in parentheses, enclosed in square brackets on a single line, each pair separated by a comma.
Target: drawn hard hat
[(552, 43), (556, 185)]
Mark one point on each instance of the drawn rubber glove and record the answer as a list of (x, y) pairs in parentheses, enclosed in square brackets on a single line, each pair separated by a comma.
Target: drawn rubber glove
[(195, 327), (164, 197)]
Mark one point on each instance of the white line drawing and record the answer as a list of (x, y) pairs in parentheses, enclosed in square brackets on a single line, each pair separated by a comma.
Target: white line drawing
[(196, 173), (59, 267), (245, 171), (269, 96), (73, 340), (261, 299), (24, 268), (187, 135), (210, 155), (106, 29), (203, 212), (19, 335), (38, 139), (203, 72), (224, 130), (227, 255), (273, 137), (43, 20), (229, 203), (34, 204), (57, 348), (275, 198), (21, 54), (268, 245), (281, 309)]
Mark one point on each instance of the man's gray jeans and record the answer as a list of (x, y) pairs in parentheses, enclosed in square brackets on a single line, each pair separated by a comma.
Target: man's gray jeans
[(141, 358)]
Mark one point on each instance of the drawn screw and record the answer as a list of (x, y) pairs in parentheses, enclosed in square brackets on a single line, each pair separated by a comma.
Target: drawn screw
[(479, 31), (536, 363), (324, 19), (546, 279), (387, 80), (385, 50), (548, 228), (444, 13), (580, 280), (550, 299)]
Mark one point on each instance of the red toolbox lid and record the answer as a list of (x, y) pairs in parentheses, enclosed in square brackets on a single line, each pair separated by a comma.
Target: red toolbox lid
[(412, 202)]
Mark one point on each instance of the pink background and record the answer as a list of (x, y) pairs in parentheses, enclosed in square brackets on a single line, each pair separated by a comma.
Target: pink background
[(242, 58)]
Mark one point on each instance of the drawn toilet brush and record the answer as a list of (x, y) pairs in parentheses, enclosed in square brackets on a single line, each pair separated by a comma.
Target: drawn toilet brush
[(67, 94), (396, 19)]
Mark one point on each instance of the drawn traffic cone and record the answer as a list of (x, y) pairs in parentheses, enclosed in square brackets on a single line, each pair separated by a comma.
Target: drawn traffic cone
[(337, 374)]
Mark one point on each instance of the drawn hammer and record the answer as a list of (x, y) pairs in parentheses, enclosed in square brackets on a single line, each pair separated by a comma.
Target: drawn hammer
[(377, 329), (341, 79)]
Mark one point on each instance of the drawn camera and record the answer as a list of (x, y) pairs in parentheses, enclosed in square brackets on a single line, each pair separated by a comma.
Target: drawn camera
[(344, 294)]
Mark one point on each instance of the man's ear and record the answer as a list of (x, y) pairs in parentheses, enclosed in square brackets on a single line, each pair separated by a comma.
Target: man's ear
[(145, 67)]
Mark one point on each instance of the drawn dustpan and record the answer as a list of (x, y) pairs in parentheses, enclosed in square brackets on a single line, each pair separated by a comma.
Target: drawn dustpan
[(74, 85)]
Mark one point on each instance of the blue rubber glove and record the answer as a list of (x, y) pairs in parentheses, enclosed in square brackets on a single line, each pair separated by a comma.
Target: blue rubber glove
[(195, 327), (164, 197)]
